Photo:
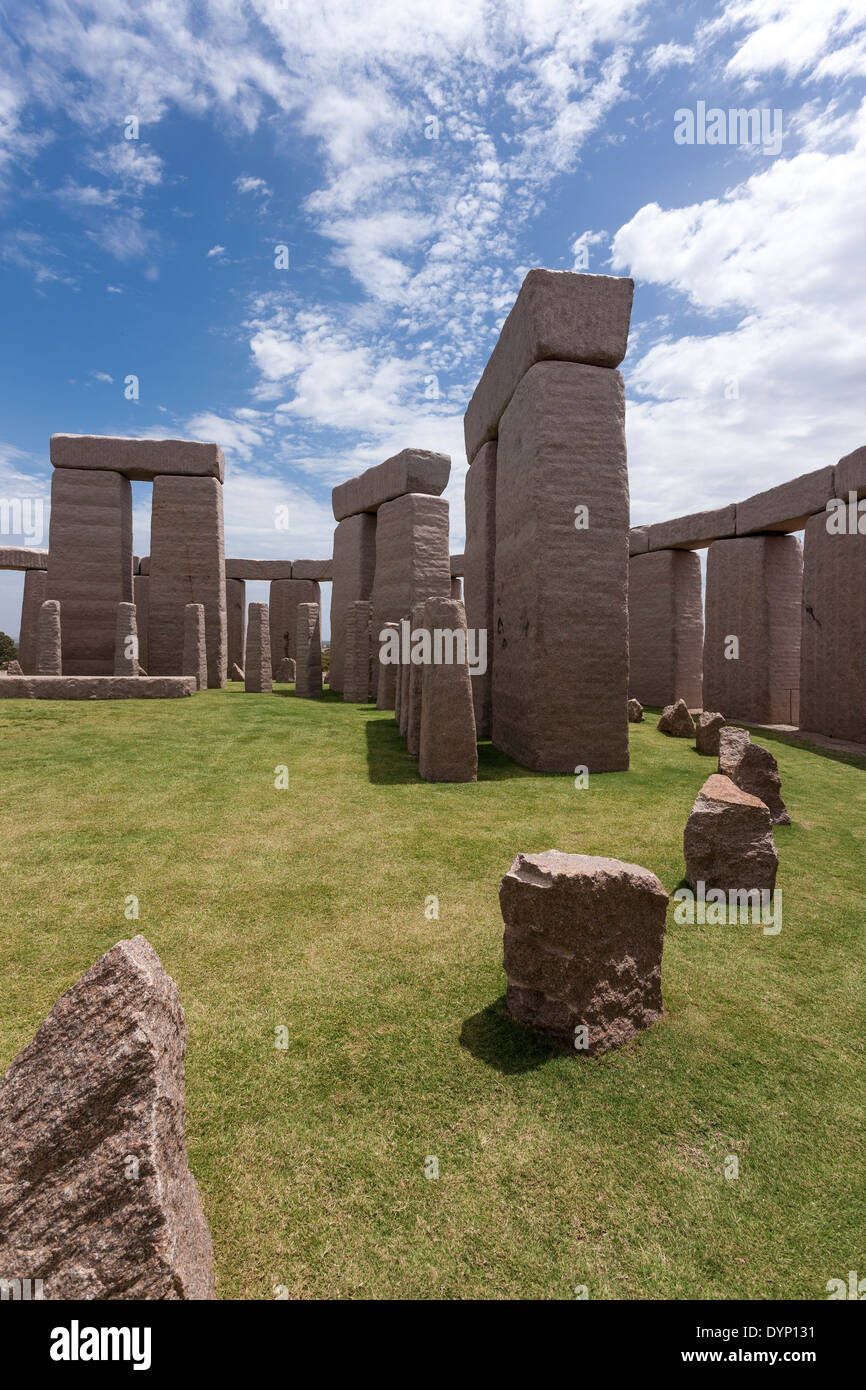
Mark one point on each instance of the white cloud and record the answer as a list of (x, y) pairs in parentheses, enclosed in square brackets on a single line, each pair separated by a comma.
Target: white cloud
[(670, 55), (236, 437), (798, 37), (102, 376), (216, 251)]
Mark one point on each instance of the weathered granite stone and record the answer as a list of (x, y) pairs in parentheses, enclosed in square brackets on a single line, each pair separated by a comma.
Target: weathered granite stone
[(412, 470), (479, 573), (753, 769), (405, 681), (141, 599), (22, 557), (236, 621), (308, 661), (558, 315), (666, 627), (677, 721), (412, 559), (187, 565), (90, 564), (709, 726), (357, 652), (728, 840), (354, 565), (286, 670), (416, 682), (96, 1196), (849, 475), (139, 459), (833, 656), (448, 750), (237, 673), (97, 687), (35, 582), (14, 668), (285, 597), (386, 686), (49, 659), (560, 659), (126, 648), (257, 658), (257, 569), (456, 589), (695, 531), (458, 566), (194, 651), (398, 689), (144, 565), (635, 712), (583, 948), (320, 570), (638, 540), (788, 506), (753, 593)]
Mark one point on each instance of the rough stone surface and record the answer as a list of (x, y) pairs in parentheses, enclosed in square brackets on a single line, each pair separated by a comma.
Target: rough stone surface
[(320, 570), (638, 540), (357, 653), (15, 557), (560, 645), (97, 687), (754, 592), (386, 678), (677, 721), (285, 597), (126, 648), (194, 651), (833, 655), (458, 566), (49, 659), (237, 673), (257, 569), (479, 564), (405, 682), (100, 1086), (448, 750), (13, 668), (236, 621), (416, 682), (666, 627), (583, 947), (308, 662), (558, 315), (35, 582), (635, 712), (849, 475), (728, 840), (286, 670), (354, 565), (141, 599), (187, 565), (90, 564), (788, 506), (709, 726), (138, 459), (694, 531), (257, 657), (412, 470), (456, 588), (753, 769), (412, 559)]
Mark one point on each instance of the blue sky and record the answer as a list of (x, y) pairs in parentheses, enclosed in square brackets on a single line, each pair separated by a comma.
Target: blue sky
[(416, 160)]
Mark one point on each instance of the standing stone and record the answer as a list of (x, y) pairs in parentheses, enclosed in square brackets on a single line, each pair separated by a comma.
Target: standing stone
[(412, 470), (237, 673), (728, 840), (478, 579), (308, 669), (354, 566), (398, 683), (285, 597), (456, 588), (48, 659), (286, 670), (753, 769), (707, 731), (386, 689), (357, 651), (833, 655), (257, 658), (448, 747), (13, 668), (413, 562), (416, 682), (187, 565), (141, 598), (666, 627), (583, 948), (101, 1087), (236, 621), (635, 712), (677, 721), (126, 648), (405, 681), (89, 563), (34, 596), (560, 662), (754, 592), (194, 650)]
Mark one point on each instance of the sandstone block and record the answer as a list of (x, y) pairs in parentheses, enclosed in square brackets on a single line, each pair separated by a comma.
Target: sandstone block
[(257, 658), (695, 531), (666, 627), (412, 470), (707, 731), (142, 460), (257, 569), (849, 475), (479, 563), (320, 570), (833, 654), (237, 673), (728, 840), (141, 599), (788, 506), (753, 769), (412, 558), (236, 621), (405, 681), (286, 670), (23, 557), (638, 540), (416, 682), (35, 582), (126, 647), (353, 568), (194, 650), (13, 668), (448, 750), (187, 565), (357, 652), (49, 660), (285, 597), (677, 721), (458, 566), (386, 687), (308, 661), (97, 687), (635, 712)]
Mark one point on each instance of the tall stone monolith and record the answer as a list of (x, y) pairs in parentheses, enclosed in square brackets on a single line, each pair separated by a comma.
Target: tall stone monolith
[(478, 578), (141, 599), (416, 680), (49, 660), (194, 650), (666, 627), (257, 656), (833, 625), (236, 621), (187, 565), (386, 688), (448, 749), (354, 565), (33, 598), (357, 652), (285, 597), (126, 649), (308, 647)]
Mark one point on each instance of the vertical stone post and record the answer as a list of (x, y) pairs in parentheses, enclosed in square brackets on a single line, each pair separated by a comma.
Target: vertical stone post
[(33, 599), (448, 751), (257, 655), (236, 621), (187, 565), (416, 679), (49, 661), (354, 565), (126, 646), (357, 653), (285, 596), (405, 679), (666, 628), (141, 598), (833, 651), (194, 644), (386, 689), (308, 647), (413, 559), (478, 578)]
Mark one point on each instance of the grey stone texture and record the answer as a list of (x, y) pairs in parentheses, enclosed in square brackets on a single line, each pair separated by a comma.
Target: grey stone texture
[(666, 627), (695, 531), (97, 687), (49, 644), (405, 682), (458, 566), (788, 506), (708, 727), (258, 676), (849, 475), (102, 1085), (728, 840), (141, 598), (285, 597), (194, 647), (357, 653), (416, 683), (353, 569), (412, 559), (386, 671), (583, 948), (448, 750), (237, 673), (320, 570), (638, 540), (90, 564), (479, 562), (560, 641), (635, 711), (236, 621), (308, 647), (754, 592), (286, 670), (187, 565), (126, 646), (398, 691), (13, 668), (558, 315), (412, 470), (753, 769), (677, 721), (257, 569), (142, 460), (833, 653), (35, 583), (14, 557), (456, 589)]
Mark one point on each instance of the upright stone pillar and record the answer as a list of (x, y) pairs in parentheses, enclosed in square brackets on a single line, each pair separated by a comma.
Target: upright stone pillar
[(49, 660), (236, 621), (405, 680), (141, 598), (89, 563), (416, 679), (354, 565), (448, 751), (666, 628), (413, 560), (308, 669), (194, 644), (386, 689), (28, 641), (833, 651), (478, 578), (356, 653), (126, 646), (187, 565), (752, 645), (285, 596), (257, 655)]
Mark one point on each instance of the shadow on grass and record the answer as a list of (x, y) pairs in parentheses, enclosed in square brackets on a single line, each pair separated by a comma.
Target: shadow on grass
[(328, 697), (389, 760), (494, 1039)]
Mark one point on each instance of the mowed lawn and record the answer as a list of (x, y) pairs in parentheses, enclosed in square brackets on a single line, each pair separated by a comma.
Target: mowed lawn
[(304, 910)]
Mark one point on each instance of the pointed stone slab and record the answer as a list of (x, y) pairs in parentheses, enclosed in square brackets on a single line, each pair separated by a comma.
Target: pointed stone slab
[(728, 840)]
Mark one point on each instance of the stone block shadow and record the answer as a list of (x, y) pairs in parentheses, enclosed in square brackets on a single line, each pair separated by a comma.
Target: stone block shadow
[(494, 1039), (389, 760)]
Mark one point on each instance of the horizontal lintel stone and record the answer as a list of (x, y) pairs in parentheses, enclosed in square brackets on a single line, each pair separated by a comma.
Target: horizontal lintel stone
[(320, 570), (458, 567), (142, 460), (256, 569), (788, 506), (412, 470), (849, 475), (638, 540), (695, 531), (13, 557)]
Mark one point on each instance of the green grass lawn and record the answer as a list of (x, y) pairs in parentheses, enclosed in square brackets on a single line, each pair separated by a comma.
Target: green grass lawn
[(305, 909)]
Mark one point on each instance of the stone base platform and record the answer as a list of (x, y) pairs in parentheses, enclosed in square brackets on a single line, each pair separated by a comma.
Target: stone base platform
[(96, 687)]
